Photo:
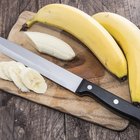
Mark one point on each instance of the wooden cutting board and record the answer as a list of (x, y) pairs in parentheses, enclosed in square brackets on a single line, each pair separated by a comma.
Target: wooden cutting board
[(85, 64)]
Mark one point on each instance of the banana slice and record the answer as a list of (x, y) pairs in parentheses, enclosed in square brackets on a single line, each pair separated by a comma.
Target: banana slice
[(2, 74), (33, 80), (6, 66), (14, 72)]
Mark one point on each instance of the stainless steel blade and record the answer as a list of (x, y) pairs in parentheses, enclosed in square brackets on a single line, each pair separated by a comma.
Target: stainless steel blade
[(45, 67)]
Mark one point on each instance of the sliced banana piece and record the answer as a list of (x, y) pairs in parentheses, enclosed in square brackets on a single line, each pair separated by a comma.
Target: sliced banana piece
[(2, 74), (51, 45), (14, 72), (33, 80), (6, 67)]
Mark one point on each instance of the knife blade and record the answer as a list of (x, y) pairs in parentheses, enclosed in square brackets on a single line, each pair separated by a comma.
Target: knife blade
[(68, 80)]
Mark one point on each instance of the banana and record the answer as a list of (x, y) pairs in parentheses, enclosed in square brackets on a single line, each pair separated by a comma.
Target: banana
[(87, 30), (14, 72), (33, 80), (51, 45), (2, 74), (6, 67), (128, 36)]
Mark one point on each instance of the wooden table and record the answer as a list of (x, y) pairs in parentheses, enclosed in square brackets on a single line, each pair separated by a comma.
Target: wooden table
[(24, 120)]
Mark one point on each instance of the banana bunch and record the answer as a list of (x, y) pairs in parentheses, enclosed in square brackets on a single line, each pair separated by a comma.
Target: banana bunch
[(24, 78), (87, 30)]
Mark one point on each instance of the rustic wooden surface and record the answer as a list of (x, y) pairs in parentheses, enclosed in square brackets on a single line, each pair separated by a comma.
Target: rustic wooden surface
[(85, 65), (24, 120)]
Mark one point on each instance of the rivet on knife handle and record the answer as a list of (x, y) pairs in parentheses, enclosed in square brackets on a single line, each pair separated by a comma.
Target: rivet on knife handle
[(114, 102)]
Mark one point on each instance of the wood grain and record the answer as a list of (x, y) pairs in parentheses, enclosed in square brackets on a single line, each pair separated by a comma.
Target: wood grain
[(36, 122), (128, 8), (6, 122), (41, 3)]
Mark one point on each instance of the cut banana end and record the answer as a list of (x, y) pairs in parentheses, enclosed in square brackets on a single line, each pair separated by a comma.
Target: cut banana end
[(51, 45), (33, 80), (14, 72)]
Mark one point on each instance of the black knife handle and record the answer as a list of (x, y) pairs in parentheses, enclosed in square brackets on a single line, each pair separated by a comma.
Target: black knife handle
[(114, 102)]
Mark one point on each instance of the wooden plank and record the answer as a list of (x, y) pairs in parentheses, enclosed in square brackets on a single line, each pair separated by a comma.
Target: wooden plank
[(21, 118), (53, 118), (46, 123), (6, 22), (29, 117), (73, 3), (100, 133), (131, 133), (6, 122), (134, 7), (9, 12), (76, 129), (33, 121), (4, 98), (49, 117), (42, 3)]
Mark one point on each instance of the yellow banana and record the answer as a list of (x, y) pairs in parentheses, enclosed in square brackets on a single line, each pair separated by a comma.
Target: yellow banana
[(128, 36), (87, 30)]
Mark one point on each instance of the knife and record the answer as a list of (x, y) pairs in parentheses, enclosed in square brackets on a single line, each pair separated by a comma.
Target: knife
[(68, 80)]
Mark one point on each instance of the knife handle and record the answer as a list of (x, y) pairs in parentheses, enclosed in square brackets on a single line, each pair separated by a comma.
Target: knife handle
[(112, 101)]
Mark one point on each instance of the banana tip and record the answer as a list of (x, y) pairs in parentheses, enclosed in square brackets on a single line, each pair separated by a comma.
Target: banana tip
[(136, 104), (123, 78)]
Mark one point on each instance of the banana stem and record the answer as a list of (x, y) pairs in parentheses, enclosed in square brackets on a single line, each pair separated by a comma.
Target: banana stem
[(28, 24)]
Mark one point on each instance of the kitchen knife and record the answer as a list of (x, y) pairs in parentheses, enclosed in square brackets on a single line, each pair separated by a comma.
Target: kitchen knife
[(68, 80)]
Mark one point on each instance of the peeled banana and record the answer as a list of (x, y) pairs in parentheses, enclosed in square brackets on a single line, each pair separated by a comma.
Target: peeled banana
[(14, 72), (51, 45), (127, 35), (87, 30), (33, 80)]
